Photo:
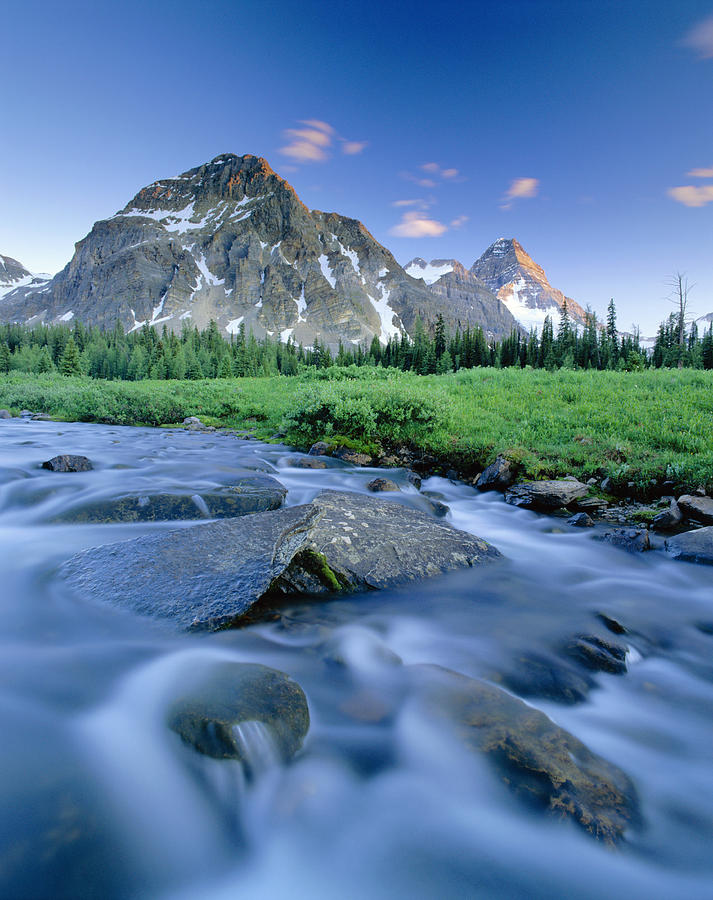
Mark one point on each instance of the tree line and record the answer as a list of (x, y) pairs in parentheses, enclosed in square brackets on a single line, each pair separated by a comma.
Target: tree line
[(193, 354)]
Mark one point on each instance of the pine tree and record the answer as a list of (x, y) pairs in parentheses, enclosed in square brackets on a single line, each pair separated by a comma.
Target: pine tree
[(69, 364), (4, 358)]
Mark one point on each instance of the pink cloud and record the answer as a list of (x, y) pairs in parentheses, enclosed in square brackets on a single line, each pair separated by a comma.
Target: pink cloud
[(351, 148), (701, 173), (700, 38), (417, 224), (691, 195), (459, 221)]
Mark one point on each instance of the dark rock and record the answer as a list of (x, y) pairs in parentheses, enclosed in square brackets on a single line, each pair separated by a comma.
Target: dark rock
[(597, 654), (692, 546), (607, 485), (5, 414), (700, 491), (41, 417), (248, 495), (209, 576), (635, 540), (698, 508), (705, 627), (352, 456), (669, 518), (581, 520), (68, 463), (537, 759), (612, 624), (537, 675), (452, 475), (222, 703), (424, 464), (414, 479), (26, 413), (307, 462), (591, 505), (497, 477), (321, 448), (546, 495), (383, 484)]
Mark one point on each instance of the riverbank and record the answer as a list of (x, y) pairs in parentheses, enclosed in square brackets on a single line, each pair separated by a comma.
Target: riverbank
[(647, 432)]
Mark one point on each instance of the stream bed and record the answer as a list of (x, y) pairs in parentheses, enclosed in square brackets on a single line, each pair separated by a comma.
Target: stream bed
[(100, 799)]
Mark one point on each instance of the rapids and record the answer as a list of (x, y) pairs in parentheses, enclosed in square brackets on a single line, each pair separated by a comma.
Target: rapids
[(100, 799)]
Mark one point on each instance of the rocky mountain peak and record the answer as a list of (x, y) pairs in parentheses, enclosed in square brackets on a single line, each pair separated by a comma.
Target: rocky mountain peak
[(14, 275)]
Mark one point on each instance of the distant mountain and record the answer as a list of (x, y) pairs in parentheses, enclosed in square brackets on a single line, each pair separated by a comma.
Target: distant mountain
[(231, 241), (14, 276), (468, 299), (521, 284)]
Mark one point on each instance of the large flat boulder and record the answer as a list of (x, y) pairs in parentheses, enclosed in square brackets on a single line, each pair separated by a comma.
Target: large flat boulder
[(698, 508), (209, 576), (692, 546), (546, 495)]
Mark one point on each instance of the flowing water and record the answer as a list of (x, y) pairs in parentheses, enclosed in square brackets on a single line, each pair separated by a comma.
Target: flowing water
[(100, 799)]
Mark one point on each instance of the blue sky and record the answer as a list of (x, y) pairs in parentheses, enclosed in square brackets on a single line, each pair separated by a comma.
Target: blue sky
[(584, 129)]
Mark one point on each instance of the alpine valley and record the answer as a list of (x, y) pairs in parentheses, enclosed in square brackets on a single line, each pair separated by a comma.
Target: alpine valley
[(231, 241)]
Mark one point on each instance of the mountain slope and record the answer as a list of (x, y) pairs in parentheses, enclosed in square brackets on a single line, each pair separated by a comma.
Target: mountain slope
[(467, 297), (522, 285), (231, 241), (14, 276)]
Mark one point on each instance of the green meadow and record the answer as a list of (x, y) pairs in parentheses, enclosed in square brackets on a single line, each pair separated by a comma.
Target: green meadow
[(640, 427)]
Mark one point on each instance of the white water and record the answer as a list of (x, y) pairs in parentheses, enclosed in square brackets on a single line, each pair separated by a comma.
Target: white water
[(100, 799)]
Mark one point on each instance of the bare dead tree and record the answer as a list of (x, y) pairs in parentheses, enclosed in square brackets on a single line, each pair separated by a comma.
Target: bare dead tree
[(680, 289)]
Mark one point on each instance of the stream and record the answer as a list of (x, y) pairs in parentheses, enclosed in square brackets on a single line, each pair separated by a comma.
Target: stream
[(100, 799)]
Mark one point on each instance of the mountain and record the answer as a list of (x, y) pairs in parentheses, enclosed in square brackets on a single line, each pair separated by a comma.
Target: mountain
[(517, 280), (467, 297), (14, 276), (231, 241)]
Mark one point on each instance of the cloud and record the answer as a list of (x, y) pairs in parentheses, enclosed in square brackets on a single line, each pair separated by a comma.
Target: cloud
[(700, 38), (700, 173), (434, 169), (520, 188), (312, 143), (417, 224), (351, 148), (692, 195), (417, 202), (459, 221), (431, 167), (449, 173)]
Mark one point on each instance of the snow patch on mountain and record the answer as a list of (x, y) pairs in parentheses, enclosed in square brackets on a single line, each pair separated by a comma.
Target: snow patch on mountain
[(428, 272)]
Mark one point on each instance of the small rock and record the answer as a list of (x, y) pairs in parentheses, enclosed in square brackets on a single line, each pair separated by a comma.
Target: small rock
[(439, 509), (382, 484), (546, 495), (452, 475), (597, 654), (352, 456), (635, 540), (700, 491), (68, 463), (497, 477), (41, 417), (26, 413), (5, 414), (669, 518), (536, 675), (581, 520), (692, 546), (307, 462), (696, 507), (414, 479), (612, 624), (192, 420), (591, 481), (320, 448), (591, 504), (607, 485)]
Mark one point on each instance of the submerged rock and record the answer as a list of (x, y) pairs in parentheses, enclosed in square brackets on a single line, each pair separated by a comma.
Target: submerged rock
[(540, 675), (217, 713), (209, 576), (546, 495), (497, 477), (248, 495), (352, 456), (634, 540), (597, 654), (581, 520), (307, 462), (692, 546), (537, 759), (68, 462), (382, 484)]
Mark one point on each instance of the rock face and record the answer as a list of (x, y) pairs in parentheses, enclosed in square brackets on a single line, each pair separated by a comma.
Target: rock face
[(540, 761), (692, 546), (497, 477), (521, 284), (221, 706), (248, 495), (469, 300), (231, 241), (15, 277), (546, 495), (209, 576)]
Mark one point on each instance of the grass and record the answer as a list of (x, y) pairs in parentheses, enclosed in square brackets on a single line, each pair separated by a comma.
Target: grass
[(636, 427)]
